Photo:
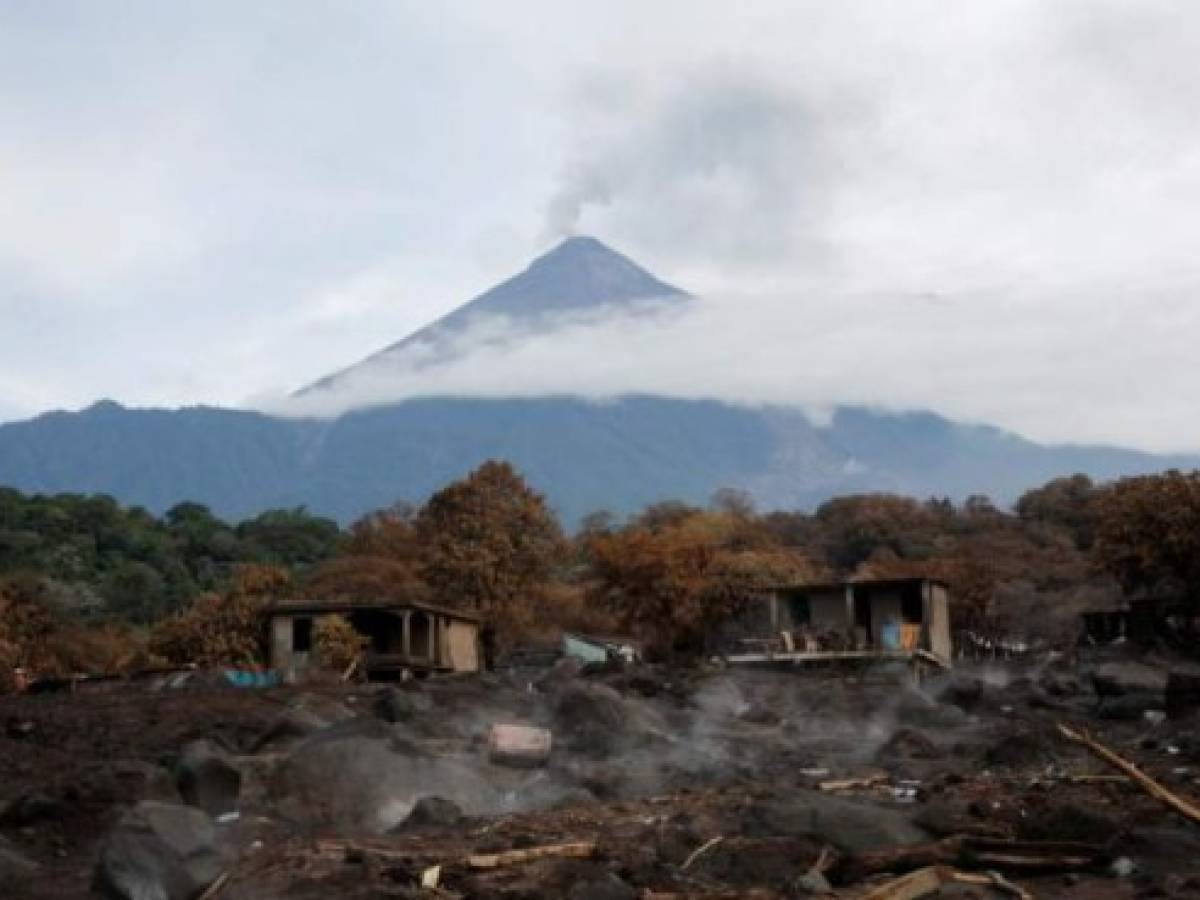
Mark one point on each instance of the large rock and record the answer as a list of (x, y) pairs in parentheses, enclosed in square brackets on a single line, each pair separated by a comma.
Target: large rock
[(97, 786), (908, 743), (913, 707), (304, 716), (393, 704), (1069, 822), (962, 690), (607, 887), (14, 865), (596, 720), (159, 851), (849, 825), (1116, 679), (1129, 707), (369, 782), (431, 812), (1020, 751), (1183, 693), (207, 778)]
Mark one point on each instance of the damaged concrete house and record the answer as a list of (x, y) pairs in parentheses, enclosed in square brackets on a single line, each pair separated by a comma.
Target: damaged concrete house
[(903, 618), (400, 636)]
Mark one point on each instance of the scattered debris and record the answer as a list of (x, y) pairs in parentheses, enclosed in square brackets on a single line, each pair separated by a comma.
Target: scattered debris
[(1152, 787)]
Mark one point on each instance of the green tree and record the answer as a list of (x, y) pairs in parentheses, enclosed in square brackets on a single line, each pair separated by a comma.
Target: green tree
[(288, 537)]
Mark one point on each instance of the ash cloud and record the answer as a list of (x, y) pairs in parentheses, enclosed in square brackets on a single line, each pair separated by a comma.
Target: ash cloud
[(726, 158)]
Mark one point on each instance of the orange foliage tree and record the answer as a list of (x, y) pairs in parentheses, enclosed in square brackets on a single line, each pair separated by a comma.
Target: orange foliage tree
[(223, 629), (381, 559), (670, 583), (1148, 536), (489, 541)]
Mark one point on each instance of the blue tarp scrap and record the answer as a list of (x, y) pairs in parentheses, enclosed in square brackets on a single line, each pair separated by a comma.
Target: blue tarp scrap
[(247, 679)]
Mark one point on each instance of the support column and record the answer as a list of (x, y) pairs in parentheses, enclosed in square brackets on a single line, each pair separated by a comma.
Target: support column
[(850, 618)]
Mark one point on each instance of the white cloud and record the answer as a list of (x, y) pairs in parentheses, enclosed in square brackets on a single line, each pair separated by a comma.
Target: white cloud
[(207, 203), (1068, 366)]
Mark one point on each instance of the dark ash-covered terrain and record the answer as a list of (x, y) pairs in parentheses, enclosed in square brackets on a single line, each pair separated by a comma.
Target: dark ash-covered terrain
[(683, 783)]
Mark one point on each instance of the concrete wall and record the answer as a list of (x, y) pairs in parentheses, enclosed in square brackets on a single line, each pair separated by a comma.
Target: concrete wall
[(463, 646), (938, 617), (455, 644), (285, 659)]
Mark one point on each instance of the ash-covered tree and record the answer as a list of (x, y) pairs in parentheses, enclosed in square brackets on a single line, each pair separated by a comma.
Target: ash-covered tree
[(223, 629), (488, 541), (670, 583), (855, 527), (380, 559), (1068, 503), (1148, 537)]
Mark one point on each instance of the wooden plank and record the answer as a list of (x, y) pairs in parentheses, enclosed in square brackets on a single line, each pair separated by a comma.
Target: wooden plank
[(1184, 807), (912, 886), (579, 850)]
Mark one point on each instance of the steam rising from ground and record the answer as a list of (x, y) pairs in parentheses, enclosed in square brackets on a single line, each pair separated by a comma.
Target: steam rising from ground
[(1079, 368)]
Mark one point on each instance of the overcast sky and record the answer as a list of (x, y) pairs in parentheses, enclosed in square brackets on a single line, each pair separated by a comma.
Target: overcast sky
[(989, 209)]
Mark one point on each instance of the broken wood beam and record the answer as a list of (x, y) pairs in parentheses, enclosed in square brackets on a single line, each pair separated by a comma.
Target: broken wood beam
[(966, 852), (993, 879), (216, 887), (700, 851), (1185, 808), (578, 850), (929, 880), (912, 886), (848, 784), (742, 894)]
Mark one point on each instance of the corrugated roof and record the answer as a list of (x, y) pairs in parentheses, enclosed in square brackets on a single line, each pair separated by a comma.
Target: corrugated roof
[(862, 582), (350, 604)]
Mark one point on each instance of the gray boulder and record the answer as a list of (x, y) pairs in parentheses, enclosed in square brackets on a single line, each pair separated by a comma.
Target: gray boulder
[(1117, 679), (607, 887), (848, 825), (365, 781), (596, 720), (207, 778), (1129, 707), (913, 707), (159, 851), (962, 690), (304, 716), (394, 704), (13, 864), (431, 812)]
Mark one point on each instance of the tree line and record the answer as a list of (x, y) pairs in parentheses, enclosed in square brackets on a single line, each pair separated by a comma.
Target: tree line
[(86, 583)]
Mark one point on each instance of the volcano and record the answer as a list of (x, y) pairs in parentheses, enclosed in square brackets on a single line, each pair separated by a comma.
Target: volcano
[(582, 279)]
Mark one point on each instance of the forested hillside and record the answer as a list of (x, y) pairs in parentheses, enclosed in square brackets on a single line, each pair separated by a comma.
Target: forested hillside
[(621, 455), (81, 578)]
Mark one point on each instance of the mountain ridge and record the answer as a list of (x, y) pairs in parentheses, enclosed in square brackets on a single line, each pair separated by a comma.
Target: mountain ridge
[(620, 454)]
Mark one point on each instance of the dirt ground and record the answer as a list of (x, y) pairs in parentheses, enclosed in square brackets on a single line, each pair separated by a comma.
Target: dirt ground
[(649, 767)]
